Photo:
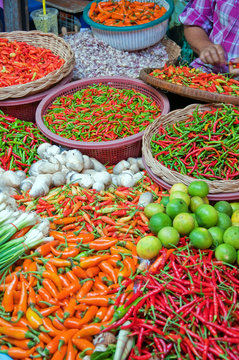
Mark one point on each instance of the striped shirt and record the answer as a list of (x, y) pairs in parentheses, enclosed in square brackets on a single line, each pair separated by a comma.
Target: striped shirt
[(220, 20)]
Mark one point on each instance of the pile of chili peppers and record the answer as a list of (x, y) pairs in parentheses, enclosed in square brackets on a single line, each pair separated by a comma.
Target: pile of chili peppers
[(19, 141), (188, 308), (196, 79), (62, 294), (100, 113), (205, 146), (125, 13), (109, 213), (21, 63)]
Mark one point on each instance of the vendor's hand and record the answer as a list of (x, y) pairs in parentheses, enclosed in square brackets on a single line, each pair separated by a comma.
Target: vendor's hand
[(213, 54), (232, 68)]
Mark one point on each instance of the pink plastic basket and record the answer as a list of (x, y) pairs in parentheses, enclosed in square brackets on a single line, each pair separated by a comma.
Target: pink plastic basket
[(109, 152), (25, 108)]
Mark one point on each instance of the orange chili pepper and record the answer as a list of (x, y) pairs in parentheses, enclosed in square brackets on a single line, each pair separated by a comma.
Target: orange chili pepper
[(70, 308), (72, 289), (16, 332), (22, 305), (89, 316), (71, 351), (93, 261), (108, 269), (88, 330), (79, 272), (53, 277), (45, 249), (18, 353), (7, 301), (50, 287), (91, 272), (85, 289), (60, 354), (49, 326), (66, 253), (60, 262), (83, 344), (101, 312), (100, 300)]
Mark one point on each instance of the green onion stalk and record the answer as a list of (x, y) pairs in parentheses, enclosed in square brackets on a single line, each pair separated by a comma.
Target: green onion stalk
[(13, 250), (11, 222)]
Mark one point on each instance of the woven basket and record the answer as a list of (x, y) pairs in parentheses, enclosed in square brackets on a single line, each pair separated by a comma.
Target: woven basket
[(46, 40), (170, 176), (173, 50), (110, 152), (188, 92)]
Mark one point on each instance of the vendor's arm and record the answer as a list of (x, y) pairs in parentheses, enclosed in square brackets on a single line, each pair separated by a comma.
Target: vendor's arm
[(232, 69), (208, 52)]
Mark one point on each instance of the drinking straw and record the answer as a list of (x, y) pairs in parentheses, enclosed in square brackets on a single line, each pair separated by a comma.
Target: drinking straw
[(44, 6)]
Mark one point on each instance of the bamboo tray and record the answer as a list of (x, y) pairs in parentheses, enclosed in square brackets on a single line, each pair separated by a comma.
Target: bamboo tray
[(186, 91)]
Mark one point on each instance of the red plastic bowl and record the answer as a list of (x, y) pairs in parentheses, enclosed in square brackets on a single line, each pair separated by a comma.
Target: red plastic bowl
[(25, 108), (109, 152), (212, 197)]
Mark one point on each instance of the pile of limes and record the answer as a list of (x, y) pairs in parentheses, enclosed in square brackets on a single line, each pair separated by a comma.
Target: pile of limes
[(186, 212)]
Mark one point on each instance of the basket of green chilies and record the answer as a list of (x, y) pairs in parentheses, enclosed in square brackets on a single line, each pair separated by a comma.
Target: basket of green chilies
[(19, 141), (103, 117), (197, 142)]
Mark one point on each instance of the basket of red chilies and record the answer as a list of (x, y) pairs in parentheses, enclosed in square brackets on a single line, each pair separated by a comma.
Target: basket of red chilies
[(197, 142), (32, 62)]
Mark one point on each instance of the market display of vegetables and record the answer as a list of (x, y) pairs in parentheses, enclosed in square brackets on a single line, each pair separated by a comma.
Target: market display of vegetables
[(204, 146), (196, 79), (99, 262), (21, 63), (18, 143), (125, 13), (100, 113)]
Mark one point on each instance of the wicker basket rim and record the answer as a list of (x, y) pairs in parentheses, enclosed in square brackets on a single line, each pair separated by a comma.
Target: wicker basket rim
[(186, 91), (171, 176), (15, 91)]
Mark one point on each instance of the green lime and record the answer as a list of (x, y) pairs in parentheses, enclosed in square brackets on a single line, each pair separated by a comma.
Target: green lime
[(238, 257), (195, 202), (196, 223), (164, 200), (226, 253), (198, 188), (201, 238), (217, 235), (224, 207), (179, 187), (148, 247), (180, 195), (152, 209), (205, 200), (235, 218), (169, 236), (224, 221), (184, 223), (235, 206), (158, 221), (206, 216), (231, 236), (175, 207)]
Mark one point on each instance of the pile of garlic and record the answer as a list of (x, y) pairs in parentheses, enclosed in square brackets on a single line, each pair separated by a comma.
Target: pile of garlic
[(58, 167)]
